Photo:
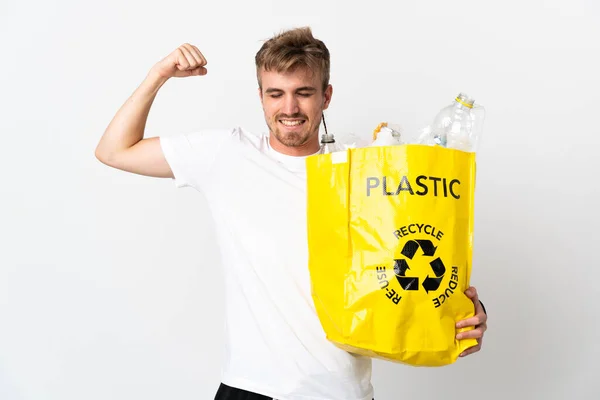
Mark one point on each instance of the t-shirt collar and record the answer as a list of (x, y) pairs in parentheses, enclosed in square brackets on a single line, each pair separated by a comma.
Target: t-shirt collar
[(295, 163)]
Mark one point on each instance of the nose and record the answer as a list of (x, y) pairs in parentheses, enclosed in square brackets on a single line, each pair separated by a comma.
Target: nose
[(290, 106)]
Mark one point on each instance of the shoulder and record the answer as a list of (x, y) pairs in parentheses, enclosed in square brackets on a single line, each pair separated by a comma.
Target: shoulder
[(235, 134), (248, 139), (210, 140)]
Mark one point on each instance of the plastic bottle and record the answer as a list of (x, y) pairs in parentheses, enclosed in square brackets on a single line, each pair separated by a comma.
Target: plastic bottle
[(328, 144), (458, 125), (387, 137)]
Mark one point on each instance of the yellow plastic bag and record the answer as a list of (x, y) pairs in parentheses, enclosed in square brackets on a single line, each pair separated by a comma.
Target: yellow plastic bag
[(390, 233)]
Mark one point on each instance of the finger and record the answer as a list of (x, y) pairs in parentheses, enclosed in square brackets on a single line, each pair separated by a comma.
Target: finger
[(181, 60), (470, 350), (471, 293), (195, 54), (472, 334), (474, 296), (198, 71), (200, 55), (480, 316), (473, 321), (189, 57)]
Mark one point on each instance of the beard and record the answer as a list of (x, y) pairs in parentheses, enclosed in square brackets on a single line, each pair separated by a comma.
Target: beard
[(290, 139)]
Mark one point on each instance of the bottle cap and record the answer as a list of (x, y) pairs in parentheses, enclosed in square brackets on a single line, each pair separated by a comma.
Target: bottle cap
[(327, 138), (465, 100)]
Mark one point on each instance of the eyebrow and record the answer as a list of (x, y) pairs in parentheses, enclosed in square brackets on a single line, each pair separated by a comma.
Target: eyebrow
[(300, 89), (306, 89), (272, 90)]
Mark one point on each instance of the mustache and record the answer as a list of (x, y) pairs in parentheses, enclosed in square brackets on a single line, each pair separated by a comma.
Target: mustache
[(293, 116)]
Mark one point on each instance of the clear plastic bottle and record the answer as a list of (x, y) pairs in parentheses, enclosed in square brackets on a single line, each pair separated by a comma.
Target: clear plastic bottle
[(328, 144), (387, 136), (458, 125)]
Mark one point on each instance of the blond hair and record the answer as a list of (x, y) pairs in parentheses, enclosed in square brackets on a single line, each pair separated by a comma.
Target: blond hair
[(292, 49)]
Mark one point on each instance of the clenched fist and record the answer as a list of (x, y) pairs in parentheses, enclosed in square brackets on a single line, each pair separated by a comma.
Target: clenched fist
[(186, 60)]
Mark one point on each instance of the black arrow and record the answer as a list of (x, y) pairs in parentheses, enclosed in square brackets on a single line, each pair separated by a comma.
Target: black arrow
[(408, 283), (427, 247), (438, 267), (400, 267), (430, 284), (410, 249)]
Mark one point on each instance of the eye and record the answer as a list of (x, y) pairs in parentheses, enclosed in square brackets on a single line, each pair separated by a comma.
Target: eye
[(305, 94), (276, 95)]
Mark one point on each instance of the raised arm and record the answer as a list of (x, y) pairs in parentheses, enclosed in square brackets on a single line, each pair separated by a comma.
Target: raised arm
[(122, 145)]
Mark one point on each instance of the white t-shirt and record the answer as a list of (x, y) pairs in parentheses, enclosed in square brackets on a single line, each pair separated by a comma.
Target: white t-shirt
[(275, 344)]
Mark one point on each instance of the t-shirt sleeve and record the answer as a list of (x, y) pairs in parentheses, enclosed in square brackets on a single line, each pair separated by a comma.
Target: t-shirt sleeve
[(191, 156)]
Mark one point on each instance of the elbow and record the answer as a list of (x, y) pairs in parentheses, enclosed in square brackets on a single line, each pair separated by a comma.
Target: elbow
[(102, 155), (99, 154)]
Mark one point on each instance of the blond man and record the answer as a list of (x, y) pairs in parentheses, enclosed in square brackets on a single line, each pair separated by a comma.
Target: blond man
[(255, 187)]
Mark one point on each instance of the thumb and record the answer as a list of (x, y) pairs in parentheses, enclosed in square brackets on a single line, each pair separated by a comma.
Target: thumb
[(198, 71)]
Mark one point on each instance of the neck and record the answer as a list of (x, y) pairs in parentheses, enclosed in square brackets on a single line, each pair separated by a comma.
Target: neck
[(310, 147)]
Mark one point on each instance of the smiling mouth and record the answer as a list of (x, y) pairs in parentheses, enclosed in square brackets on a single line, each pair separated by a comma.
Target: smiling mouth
[(292, 122)]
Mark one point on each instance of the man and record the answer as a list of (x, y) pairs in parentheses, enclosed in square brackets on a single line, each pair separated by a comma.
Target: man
[(255, 187)]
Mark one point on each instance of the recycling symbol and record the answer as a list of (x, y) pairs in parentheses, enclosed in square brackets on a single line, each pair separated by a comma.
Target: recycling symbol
[(401, 268)]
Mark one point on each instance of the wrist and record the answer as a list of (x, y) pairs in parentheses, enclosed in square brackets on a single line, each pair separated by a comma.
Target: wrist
[(154, 80)]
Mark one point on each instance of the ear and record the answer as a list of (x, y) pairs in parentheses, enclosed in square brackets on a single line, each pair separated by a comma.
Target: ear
[(260, 94), (327, 95)]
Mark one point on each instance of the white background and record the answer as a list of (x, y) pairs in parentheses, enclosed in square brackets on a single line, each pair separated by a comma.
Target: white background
[(110, 283)]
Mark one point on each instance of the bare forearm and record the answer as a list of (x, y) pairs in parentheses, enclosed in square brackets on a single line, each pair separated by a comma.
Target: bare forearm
[(127, 126)]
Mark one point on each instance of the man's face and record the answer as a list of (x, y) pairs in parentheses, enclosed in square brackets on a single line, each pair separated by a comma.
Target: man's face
[(293, 103)]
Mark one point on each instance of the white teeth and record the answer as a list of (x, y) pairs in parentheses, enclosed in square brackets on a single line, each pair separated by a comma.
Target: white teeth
[(291, 123)]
